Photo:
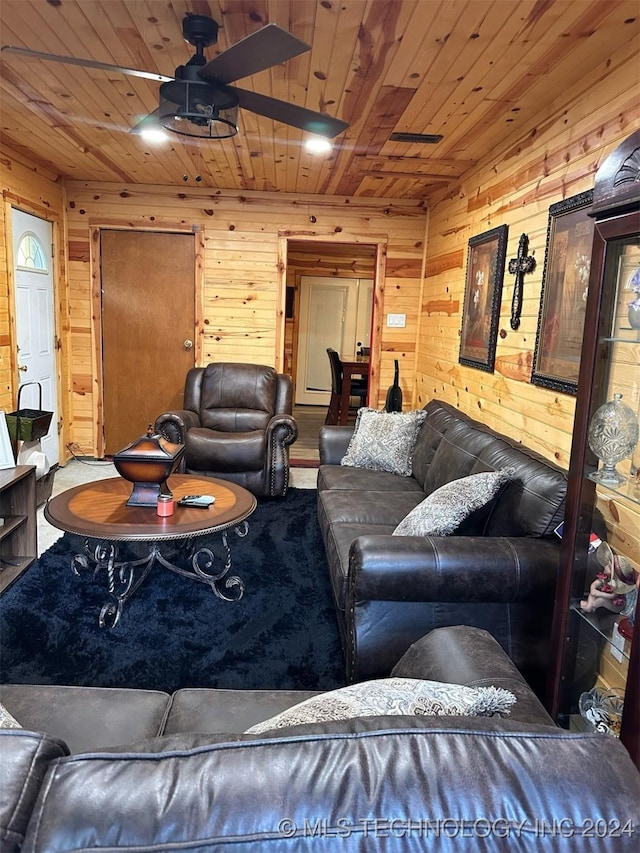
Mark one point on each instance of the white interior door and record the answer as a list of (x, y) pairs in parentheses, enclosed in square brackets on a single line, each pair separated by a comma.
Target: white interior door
[(35, 322), (334, 312)]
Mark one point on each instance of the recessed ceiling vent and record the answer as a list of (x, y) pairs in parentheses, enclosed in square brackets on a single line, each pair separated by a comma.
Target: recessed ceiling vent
[(424, 138)]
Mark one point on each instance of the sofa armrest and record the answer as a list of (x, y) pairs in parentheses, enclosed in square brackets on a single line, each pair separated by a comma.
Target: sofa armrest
[(174, 425), (333, 442), (401, 587), (452, 569), (282, 428), (459, 654), (25, 760), (282, 431)]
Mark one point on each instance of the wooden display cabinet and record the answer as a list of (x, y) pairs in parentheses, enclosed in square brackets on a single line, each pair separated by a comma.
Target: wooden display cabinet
[(588, 649), (18, 532)]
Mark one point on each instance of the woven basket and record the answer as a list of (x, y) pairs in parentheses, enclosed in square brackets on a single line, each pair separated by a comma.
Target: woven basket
[(29, 424)]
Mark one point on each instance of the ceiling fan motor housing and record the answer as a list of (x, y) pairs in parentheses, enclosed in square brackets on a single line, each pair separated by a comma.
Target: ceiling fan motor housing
[(191, 106), (199, 30)]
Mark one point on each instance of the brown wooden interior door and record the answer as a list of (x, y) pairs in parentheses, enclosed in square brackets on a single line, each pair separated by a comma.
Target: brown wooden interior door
[(148, 328)]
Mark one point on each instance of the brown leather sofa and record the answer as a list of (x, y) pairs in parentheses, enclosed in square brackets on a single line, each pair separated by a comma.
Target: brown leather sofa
[(236, 425), (187, 779), (498, 571)]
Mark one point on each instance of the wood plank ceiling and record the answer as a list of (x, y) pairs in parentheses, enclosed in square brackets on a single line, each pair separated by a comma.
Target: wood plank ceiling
[(471, 70)]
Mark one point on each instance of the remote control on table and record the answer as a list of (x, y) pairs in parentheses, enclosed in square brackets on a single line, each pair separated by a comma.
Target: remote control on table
[(196, 500)]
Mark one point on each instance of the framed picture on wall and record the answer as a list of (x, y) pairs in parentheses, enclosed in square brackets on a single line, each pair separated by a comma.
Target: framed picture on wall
[(565, 283), (483, 290)]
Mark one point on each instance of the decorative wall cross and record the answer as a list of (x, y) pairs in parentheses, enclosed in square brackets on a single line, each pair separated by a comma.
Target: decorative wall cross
[(518, 266)]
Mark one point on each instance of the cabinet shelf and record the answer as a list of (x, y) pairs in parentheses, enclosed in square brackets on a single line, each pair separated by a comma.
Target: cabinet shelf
[(605, 624), (625, 337), (628, 491), (18, 534), (11, 523)]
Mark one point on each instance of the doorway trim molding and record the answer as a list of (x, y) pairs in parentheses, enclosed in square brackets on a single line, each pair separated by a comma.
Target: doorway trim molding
[(380, 242), (60, 305), (95, 265)]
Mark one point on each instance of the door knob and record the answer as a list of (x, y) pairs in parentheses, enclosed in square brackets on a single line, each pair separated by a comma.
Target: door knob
[(188, 344), (23, 368)]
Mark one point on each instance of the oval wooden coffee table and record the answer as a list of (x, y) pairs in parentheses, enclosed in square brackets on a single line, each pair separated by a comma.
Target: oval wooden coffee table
[(99, 511)]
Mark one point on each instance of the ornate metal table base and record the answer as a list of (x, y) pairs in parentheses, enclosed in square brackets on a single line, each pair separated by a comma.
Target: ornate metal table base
[(125, 576)]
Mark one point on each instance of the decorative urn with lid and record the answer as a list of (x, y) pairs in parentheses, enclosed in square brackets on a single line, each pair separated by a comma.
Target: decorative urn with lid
[(148, 462)]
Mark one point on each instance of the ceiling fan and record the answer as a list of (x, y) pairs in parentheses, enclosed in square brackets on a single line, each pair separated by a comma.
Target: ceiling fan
[(199, 101)]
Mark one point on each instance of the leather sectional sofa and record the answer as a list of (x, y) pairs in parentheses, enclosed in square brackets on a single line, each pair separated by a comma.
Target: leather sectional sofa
[(498, 571), (187, 779)]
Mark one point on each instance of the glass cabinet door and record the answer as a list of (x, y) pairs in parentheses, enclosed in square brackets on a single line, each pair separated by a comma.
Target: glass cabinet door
[(595, 674)]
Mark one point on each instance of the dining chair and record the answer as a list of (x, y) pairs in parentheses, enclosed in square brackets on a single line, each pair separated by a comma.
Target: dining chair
[(359, 388)]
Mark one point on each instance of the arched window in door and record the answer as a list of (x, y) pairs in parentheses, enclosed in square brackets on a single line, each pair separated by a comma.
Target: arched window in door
[(31, 255)]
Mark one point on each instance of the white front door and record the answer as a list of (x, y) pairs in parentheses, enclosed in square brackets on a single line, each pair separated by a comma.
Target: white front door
[(35, 321), (336, 313)]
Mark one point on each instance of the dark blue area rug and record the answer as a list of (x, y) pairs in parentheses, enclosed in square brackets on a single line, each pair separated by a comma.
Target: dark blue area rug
[(174, 632)]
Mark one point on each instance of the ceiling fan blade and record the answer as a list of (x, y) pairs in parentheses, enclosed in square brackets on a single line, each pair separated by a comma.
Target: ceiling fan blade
[(312, 122), (87, 63), (149, 122), (256, 52)]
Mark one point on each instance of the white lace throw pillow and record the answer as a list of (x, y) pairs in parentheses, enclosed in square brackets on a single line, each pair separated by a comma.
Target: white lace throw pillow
[(442, 511), (384, 441), (394, 696), (7, 720)]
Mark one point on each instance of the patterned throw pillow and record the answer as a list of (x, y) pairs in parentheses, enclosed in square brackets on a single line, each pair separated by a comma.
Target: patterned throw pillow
[(442, 511), (384, 441), (395, 696), (7, 720)]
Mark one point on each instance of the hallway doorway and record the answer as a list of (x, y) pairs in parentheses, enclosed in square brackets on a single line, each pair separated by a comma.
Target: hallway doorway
[(336, 313), (330, 295)]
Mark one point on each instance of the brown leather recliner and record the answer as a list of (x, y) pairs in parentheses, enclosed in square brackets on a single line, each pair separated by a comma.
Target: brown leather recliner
[(236, 425)]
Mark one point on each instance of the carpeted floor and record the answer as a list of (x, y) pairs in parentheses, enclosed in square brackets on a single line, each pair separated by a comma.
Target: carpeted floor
[(174, 632)]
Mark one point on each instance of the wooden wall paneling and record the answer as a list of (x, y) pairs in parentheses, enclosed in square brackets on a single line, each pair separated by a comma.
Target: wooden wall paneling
[(419, 318), (60, 303), (516, 187), (198, 339), (7, 350), (240, 301), (96, 336), (376, 356)]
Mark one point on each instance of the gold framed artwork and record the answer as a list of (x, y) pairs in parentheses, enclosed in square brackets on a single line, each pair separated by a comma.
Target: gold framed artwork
[(563, 300), (486, 256)]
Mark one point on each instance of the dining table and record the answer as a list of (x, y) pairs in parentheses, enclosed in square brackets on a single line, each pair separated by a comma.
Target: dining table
[(352, 365)]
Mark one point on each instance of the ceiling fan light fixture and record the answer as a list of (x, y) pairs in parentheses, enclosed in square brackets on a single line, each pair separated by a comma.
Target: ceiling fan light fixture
[(153, 134), (318, 145), (196, 108)]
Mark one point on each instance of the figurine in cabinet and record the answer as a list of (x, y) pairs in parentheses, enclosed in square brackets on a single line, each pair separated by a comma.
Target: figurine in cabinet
[(612, 584)]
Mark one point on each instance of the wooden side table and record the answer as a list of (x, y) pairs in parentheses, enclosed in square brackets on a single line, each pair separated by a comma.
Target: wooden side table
[(99, 512)]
